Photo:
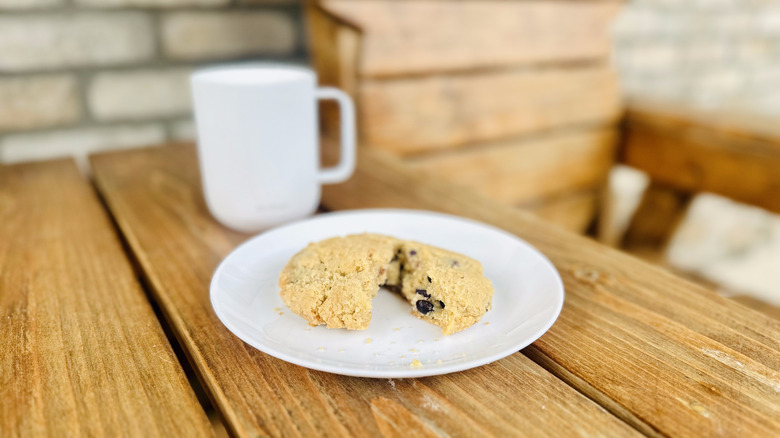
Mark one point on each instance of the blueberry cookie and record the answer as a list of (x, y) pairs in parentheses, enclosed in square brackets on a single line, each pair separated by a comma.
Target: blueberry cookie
[(444, 288), (332, 282)]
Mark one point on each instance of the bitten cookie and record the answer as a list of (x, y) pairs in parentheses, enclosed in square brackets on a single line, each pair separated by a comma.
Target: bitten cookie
[(445, 288), (332, 282)]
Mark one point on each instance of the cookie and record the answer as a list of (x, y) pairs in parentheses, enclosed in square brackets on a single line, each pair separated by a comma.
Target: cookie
[(332, 282), (444, 288)]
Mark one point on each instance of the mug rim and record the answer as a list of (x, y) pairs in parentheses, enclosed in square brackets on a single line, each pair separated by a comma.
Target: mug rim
[(253, 73)]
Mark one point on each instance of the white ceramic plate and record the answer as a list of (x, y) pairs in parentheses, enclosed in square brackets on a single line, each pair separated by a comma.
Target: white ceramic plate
[(528, 298)]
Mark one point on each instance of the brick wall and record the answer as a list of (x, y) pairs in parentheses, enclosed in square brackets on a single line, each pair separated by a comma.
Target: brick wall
[(82, 75), (78, 76), (709, 53)]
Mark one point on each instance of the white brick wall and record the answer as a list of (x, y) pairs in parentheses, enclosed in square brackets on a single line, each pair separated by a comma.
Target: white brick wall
[(138, 95), (78, 76), (55, 41), (28, 4), (78, 142), (707, 53), (267, 2), (149, 3), (38, 102), (183, 130), (219, 35)]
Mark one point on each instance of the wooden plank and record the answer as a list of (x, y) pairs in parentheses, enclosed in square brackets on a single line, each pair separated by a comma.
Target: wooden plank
[(155, 196), (529, 170), (82, 351), (335, 47), (659, 213), (734, 156), (399, 38), (666, 355), (573, 211), (413, 115), (758, 305)]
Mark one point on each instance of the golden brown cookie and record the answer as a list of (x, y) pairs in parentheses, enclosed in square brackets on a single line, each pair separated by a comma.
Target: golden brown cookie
[(445, 288), (332, 282)]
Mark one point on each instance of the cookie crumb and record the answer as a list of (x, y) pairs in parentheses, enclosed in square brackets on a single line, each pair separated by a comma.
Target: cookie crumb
[(438, 361), (403, 357), (368, 340), (396, 329), (321, 349), (487, 323), (281, 313), (413, 350), (341, 350), (420, 341), (416, 364), (391, 362), (276, 309)]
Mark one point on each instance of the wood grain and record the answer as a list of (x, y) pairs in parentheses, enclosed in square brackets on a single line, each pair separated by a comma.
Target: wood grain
[(399, 38), (529, 170), (758, 305), (656, 218), (693, 151), (413, 115), (667, 356), (335, 47), (572, 211), (155, 196), (82, 351)]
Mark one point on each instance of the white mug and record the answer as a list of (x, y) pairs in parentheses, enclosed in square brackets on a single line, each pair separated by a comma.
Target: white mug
[(258, 142)]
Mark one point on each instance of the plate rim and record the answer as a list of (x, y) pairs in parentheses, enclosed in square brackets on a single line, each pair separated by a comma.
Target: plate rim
[(408, 372)]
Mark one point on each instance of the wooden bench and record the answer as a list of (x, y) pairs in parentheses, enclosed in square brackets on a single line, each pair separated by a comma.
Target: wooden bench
[(83, 353)]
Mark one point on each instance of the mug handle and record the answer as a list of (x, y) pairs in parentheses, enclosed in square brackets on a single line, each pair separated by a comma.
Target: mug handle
[(342, 171)]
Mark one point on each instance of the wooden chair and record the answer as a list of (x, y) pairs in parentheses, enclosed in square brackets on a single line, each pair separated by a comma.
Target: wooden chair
[(686, 151), (515, 100)]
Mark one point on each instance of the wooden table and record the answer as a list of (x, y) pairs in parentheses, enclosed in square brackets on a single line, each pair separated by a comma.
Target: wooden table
[(636, 350)]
